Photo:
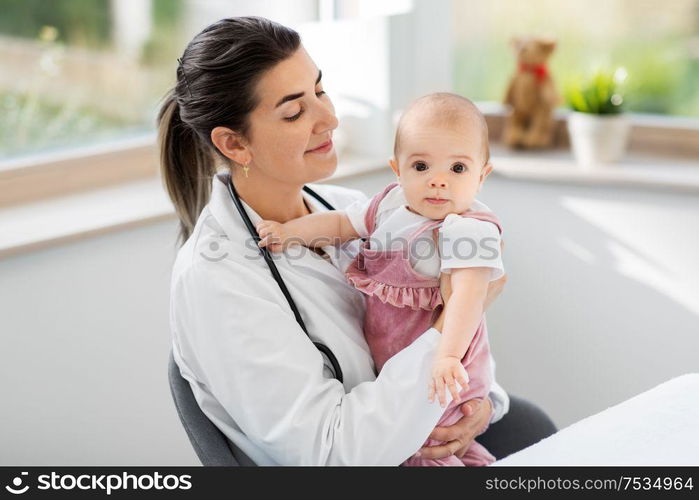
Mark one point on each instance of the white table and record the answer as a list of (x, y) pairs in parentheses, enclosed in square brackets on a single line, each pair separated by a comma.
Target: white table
[(657, 427)]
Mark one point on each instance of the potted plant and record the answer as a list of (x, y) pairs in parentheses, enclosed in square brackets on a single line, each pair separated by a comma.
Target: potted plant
[(597, 126)]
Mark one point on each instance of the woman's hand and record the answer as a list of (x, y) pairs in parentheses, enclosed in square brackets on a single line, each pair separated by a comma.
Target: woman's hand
[(495, 287), (459, 436), (445, 289)]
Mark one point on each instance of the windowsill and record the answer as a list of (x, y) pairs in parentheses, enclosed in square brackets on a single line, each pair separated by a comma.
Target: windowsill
[(634, 170), (37, 225), (42, 224), (47, 222), (60, 173)]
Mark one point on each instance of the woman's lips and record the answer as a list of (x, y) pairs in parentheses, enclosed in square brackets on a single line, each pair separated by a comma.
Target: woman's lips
[(435, 201), (323, 148)]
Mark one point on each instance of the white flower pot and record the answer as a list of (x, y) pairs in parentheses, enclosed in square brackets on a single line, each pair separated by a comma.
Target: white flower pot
[(597, 140)]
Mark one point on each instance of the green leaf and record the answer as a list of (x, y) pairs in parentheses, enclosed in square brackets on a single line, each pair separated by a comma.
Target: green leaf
[(600, 92)]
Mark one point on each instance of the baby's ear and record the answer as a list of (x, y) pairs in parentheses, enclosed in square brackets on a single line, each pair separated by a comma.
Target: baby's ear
[(394, 166), (485, 172)]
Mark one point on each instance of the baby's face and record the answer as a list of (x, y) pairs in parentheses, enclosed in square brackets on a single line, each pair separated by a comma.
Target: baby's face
[(440, 168)]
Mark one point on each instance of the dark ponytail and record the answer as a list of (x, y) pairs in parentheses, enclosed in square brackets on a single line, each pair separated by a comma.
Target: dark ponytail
[(216, 81), (187, 168)]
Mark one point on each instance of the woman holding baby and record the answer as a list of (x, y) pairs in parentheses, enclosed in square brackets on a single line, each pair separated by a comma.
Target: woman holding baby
[(249, 97)]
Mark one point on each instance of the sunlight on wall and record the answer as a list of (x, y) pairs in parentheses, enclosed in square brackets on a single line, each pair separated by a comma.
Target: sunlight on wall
[(646, 246)]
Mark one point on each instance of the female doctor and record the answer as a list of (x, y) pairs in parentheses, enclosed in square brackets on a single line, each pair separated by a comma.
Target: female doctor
[(249, 95)]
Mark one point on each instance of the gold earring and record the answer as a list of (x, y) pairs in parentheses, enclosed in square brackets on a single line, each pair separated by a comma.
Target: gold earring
[(245, 169)]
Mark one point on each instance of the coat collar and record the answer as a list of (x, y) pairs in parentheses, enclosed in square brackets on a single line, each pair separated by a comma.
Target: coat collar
[(304, 260), (223, 209)]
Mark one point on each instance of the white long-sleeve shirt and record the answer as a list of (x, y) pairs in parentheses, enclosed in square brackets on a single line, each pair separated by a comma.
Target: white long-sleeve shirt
[(258, 377)]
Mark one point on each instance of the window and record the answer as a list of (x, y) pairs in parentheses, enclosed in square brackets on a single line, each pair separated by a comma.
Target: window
[(657, 44), (76, 72), (81, 71)]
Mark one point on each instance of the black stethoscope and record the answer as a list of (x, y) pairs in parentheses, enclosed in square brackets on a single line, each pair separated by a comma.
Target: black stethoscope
[(275, 272)]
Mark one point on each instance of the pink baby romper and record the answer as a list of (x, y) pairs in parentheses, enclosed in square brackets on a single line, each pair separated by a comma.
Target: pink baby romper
[(401, 305)]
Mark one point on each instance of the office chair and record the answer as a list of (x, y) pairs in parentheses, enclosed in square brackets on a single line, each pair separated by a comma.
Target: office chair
[(209, 443), (523, 425)]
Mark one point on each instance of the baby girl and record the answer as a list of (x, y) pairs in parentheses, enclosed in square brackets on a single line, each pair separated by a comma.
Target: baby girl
[(427, 223)]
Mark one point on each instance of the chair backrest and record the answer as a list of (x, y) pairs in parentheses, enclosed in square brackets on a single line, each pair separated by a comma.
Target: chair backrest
[(209, 443)]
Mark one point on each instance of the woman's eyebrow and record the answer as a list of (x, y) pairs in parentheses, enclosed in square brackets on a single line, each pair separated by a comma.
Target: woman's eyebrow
[(291, 97)]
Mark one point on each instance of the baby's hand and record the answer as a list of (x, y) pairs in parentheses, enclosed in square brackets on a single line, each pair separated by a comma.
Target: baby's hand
[(273, 235), (446, 372)]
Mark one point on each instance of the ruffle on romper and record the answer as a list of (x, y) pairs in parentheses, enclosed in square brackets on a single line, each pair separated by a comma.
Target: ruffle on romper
[(427, 298)]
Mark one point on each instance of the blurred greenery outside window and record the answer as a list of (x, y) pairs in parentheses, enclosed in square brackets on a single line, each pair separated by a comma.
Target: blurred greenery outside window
[(67, 78), (656, 42)]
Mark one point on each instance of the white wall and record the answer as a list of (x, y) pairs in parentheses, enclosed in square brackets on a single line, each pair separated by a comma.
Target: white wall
[(601, 305), (374, 66), (83, 363)]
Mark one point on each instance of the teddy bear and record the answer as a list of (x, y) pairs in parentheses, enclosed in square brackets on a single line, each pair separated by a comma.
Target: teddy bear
[(531, 95)]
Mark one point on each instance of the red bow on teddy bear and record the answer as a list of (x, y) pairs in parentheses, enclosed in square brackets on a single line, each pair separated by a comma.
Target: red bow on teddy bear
[(539, 70)]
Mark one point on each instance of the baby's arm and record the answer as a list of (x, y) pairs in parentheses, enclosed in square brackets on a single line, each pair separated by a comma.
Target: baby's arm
[(463, 314), (314, 230)]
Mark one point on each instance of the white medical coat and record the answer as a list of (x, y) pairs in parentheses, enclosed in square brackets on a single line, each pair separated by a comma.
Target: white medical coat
[(258, 377)]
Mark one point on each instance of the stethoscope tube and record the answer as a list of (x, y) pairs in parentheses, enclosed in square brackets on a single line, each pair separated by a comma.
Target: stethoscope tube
[(275, 272)]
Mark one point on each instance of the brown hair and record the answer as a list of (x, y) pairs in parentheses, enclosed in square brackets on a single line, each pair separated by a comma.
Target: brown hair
[(215, 86)]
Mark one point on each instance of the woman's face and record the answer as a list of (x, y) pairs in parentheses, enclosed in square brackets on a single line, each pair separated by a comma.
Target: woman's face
[(293, 118)]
